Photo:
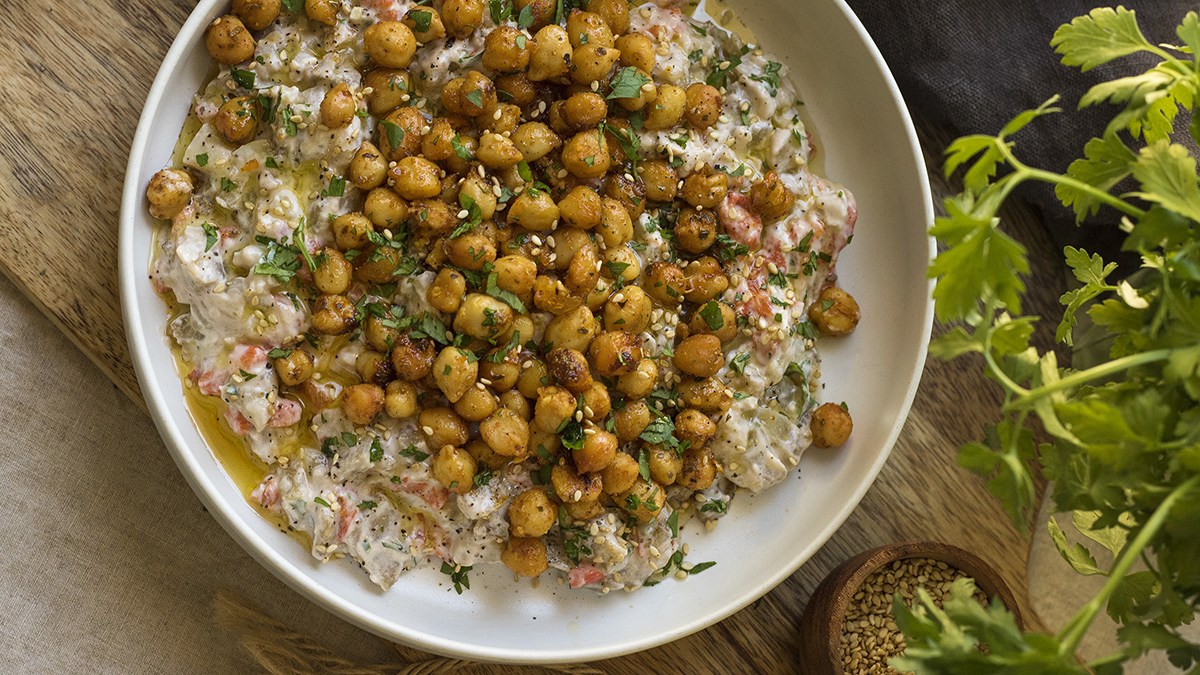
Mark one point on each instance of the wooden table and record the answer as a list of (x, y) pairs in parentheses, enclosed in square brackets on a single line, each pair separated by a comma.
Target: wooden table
[(77, 76)]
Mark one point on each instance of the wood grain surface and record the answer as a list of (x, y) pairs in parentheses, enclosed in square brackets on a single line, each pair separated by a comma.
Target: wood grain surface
[(75, 79)]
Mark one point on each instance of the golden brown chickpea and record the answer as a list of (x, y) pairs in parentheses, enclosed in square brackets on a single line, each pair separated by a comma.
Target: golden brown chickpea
[(835, 313), (628, 309), (391, 44), (631, 420), (452, 96), (532, 378), (630, 193), (695, 427), (506, 50), (505, 118), (535, 140), (569, 367), (256, 14), (442, 426), (483, 316), (660, 180), (596, 402), (572, 486), (704, 280), (703, 105), (525, 556), (696, 231), (705, 190), (228, 41), (830, 425), (709, 395), (455, 468), (169, 192), (531, 514), (237, 120), (332, 276), (591, 63), (455, 371), (640, 382), (669, 107), (338, 107), (771, 198), (571, 330), (484, 455), (481, 193), (648, 498), (447, 290), (516, 88), (389, 87), (378, 266), (556, 117), (514, 401), (597, 452), (413, 357), (367, 169), (502, 375), (637, 51), (385, 209), (362, 402), (515, 274), (497, 152), (586, 154), (554, 406), (409, 121), (437, 145), (505, 432), (374, 368), (476, 404), (461, 17), (664, 463), (599, 295), (425, 23), (698, 470), (623, 261), (714, 318), (551, 295), (415, 178), (585, 109), (551, 56), (542, 11), (565, 243), (586, 28), (614, 12), (470, 251), (323, 11), (615, 226), (333, 315), (431, 218), (533, 211), (619, 474), (294, 368), (615, 353), (584, 270), (378, 334), (400, 400)]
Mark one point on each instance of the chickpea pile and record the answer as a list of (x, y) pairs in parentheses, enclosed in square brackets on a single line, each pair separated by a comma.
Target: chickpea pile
[(521, 192)]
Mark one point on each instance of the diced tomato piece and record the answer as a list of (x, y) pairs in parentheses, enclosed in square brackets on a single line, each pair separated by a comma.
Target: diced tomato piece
[(287, 413), (583, 575), (237, 421), (741, 222), (249, 358), (347, 514), (267, 494), (433, 495), (210, 382)]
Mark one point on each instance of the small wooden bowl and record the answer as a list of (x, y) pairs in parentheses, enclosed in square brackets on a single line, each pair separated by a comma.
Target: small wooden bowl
[(821, 625)]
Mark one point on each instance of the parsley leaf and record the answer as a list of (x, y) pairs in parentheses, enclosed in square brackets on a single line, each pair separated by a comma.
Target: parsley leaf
[(244, 78), (627, 83), (394, 133), (210, 236)]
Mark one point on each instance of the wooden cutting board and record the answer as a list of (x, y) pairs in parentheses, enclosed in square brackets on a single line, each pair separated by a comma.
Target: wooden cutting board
[(76, 76)]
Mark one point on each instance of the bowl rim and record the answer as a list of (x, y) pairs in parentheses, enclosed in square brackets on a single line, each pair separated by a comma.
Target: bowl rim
[(130, 273)]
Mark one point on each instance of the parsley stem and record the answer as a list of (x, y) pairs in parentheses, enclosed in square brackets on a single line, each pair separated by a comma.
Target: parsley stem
[(1111, 368), (1073, 632), (1025, 172)]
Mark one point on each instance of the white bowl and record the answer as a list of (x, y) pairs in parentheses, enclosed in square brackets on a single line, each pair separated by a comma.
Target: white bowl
[(868, 143)]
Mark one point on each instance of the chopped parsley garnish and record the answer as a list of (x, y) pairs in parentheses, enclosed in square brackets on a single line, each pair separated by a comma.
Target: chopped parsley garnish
[(244, 78), (500, 10), (293, 6), (573, 537), (627, 83), (202, 159), (700, 30), (476, 97), (337, 187), (376, 450), (770, 77), (394, 133), (507, 297), (719, 75), (422, 20), (474, 215), (322, 502), (714, 506), (416, 455), (483, 477), (246, 377), (739, 362), (271, 163), (210, 236), (279, 353), (367, 505), (463, 152), (711, 313), (525, 18), (227, 185), (458, 575)]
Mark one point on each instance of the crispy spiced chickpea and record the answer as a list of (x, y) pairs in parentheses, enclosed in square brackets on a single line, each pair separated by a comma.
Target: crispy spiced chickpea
[(374, 367), (649, 500), (518, 88), (554, 406), (333, 314), (362, 402), (835, 313), (400, 400), (506, 49), (438, 144), (481, 193), (413, 357), (497, 152), (455, 468), (570, 369), (552, 295), (551, 57), (566, 243), (771, 198), (705, 190), (333, 275), (698, 468), (621, 258), (425, 23), (590, 63), (704, 280), (442, 426), (597, 452), (533, 211), (628, 309), (695, 427), (455, 371), (830, 425), (514, 401), (471, 251), (668, 108), (614, 12), (483, 316), (294, 368), (599, 295), (410, 122), (515, 274), (596, 402), (584, 270), (587, 28), (505, 432), (228, 40), (615, 353), (631, 420), (391, 44), (169, 192), (586, 154), (637, 51), (616, 227), (378, 334), (664, 463), (237, 120), (660, 180), (532, 378), (389, 87), (505, 118), (585, 109), (531, 514), (703, 105), (384, 209), (379, 266), (581, 208), (476, 404), (571, 330), (696, 231), (462, 16), (640, 382), (619, 474), (572, 485), (709, 395), (630, 193), (367, 168), (484, 455), (556, 117), (256, 14), (525, 556), (535, 140), (714, 318), (322, 11), (338, 107), (415, 178)]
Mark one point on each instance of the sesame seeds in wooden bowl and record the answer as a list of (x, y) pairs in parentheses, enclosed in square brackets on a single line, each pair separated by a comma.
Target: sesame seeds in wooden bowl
[(847, 627)]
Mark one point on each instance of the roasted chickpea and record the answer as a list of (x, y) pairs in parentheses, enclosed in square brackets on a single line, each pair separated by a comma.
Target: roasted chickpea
[(455, 468), (481, 193), (462, 16), (441, 427), (409, 122), (597, 452), (237, 120), (455, 372), (476, 404), (590, 63), (630, 193), (425, 23), (484, 455), (483, 316), (619, 474), (585, 109), (650, 499), (664, 463), (431, 218), (556, 117), (631, 420), (169, 192), (415, 178), (646, 94), (505, 432), (714, 318), (517, 87), (374, 368), (771, 198), (384, 209), (506, 49), (709, 395), (695, 427), (621, 258), (599, 295), (705, 191), (668, 108), (391, 44), (698, 469), (389, 87), (367, 169), (584, 270), (497, 152), (665, 283), (333, 275), (333, 315), (553, 296), (514, 401), (379, 266), (586, 154), (571, 330), (515, 274), (699, 355), (615, 353), (256, 14), (628, 309), (362, 402), (639, 382), (554, 406), (400, 400), (574, 486), (830, 425), (447, 290), (380, 336), (322, 11), (338, 107), (533, 212), (565, 243), (704, 280), (637, 51), (531, 514), (660, 180), (535, 140), (503, 375), (596, 402), (438, 144), (294, 368), (551, 56), (532, 378), (586, 28), (614, 12), (835, 313), (703, 105), (525, 556), (413, 357), (615, 226), (228, 41), (570, 369), (470, 251)]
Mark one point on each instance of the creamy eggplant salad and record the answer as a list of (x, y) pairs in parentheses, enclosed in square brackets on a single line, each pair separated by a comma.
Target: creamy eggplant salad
[(529, 282)]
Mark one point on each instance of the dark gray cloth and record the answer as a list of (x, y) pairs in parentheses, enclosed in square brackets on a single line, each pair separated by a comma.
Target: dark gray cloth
[(973, 65)]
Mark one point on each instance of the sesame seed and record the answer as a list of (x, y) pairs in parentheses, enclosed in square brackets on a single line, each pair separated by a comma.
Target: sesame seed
[(463, 213), (428, 430)]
